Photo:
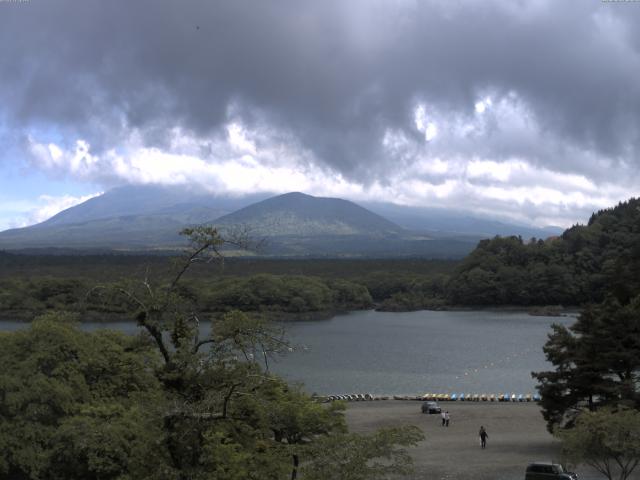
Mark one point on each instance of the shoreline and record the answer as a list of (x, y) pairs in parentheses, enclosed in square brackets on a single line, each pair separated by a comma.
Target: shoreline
[(22, 316)]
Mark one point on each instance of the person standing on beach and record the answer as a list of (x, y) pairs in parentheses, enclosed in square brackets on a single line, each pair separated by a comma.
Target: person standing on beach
[(446, 418), (483, 437)]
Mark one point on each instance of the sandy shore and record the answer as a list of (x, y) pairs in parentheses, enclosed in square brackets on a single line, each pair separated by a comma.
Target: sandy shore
[(517, 436)]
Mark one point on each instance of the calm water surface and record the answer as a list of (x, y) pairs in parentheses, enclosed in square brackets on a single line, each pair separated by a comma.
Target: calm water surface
[(409, 353), (419, 352)]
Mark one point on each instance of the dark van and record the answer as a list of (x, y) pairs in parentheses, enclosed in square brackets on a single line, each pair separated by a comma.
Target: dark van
[(548, 471), (431, 407)]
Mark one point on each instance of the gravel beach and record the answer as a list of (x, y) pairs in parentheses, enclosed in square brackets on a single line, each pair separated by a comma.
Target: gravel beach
[(517, 436)]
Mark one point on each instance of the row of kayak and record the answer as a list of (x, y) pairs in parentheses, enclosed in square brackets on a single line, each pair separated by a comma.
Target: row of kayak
[(442, 397), (355, 397), (482, 397)]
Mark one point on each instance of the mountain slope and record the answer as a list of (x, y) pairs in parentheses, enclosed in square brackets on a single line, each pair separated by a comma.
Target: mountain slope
[(151, 200), (303, 215), (141, 217), (439, 222), (302, 225), (150, 217)]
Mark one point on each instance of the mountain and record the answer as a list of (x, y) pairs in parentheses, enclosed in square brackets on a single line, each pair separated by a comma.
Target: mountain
[(299, 224), (297, 214), (180, 204), (439, 222), (150, 217), (130, 217)]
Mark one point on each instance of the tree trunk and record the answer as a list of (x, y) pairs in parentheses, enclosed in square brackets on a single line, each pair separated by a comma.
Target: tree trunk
[(294, 471)]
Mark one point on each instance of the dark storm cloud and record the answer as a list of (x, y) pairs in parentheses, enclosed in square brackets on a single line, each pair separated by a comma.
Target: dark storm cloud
[(336, 74)]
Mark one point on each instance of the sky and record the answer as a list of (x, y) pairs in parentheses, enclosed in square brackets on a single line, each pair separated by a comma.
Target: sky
[(528, 110)]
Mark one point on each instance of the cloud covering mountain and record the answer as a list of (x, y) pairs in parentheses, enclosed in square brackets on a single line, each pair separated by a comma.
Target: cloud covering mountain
[(527, 109), (144, 218)]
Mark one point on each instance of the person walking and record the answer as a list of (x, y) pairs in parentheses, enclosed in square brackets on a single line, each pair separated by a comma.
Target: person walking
[(483, 437), (446, 418)]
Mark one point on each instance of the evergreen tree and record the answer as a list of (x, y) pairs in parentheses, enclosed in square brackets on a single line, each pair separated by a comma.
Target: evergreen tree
[(596, 360)]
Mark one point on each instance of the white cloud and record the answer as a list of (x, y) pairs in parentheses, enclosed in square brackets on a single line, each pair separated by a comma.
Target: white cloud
[(499, 171), (420, 118), (430, 132), (460, 170), (51, 205), (482, 105), (238, 139), (45, 207), (423, 124)]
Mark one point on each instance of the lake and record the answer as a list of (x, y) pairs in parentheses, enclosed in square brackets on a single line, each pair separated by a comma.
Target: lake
[(409, 353)]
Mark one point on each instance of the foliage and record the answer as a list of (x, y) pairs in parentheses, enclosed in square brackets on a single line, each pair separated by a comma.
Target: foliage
[(508, 271), (406, 291), (259, 293), (581, 266), (363, 457), (607, 440), (70, 403), (167, 404), (286, 293), (596, 362), (353, 284)]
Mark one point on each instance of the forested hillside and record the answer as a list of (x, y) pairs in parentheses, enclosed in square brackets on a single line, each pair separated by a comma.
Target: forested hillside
[(592, 390), (576, 268)]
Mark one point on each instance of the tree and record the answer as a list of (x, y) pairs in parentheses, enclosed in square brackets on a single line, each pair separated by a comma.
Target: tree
[(596, 362), (227, 417), (168, 404), (73, 404), (362, 457), (607, 440)]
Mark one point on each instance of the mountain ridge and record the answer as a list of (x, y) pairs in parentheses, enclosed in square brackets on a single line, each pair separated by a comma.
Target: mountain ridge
[(150, 217)]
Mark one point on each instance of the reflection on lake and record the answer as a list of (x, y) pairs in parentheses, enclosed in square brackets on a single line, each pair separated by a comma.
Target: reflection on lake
[(409, 353)]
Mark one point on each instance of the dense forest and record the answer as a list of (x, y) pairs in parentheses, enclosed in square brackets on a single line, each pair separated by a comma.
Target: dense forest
[(592, 394), (576, 268), (571, 270), (31, 285)]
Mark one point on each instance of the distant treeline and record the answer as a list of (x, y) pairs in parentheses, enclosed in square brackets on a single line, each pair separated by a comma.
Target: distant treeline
[(114, 266), (31, 285), (573, 269)]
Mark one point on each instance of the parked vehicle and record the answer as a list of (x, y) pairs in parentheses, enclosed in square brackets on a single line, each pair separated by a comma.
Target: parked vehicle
[(548, 471), (431, 407)]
